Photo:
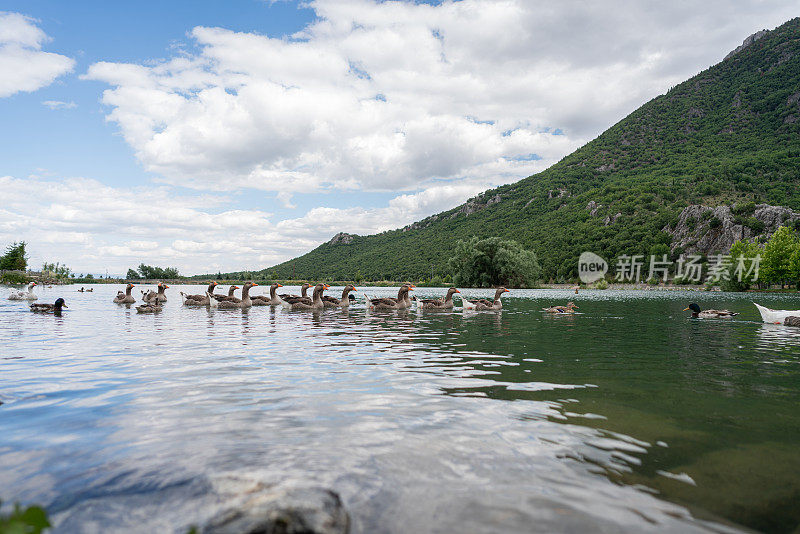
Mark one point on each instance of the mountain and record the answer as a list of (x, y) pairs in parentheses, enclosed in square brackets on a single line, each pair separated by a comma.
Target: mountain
[(714, 159)]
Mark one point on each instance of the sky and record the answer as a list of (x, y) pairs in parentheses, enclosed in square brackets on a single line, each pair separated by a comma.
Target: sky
[(224, 136)]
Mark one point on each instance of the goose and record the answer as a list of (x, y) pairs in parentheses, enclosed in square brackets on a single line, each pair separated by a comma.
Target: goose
[(159, 297), (344, 302), (127, 298), (709, 314), (485, 304), (569, 308), (303, 304), (388, 303), (50, 308), (154, 306), (303, 292), (272, 300), (775, 316), (24, 295), (244, 302), (445, 303), (199, 300), (228, 297)]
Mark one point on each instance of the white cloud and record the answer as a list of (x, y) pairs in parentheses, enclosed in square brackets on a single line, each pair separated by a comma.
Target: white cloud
[(24, 65), (57, 104), (93, 227), (394, 95)]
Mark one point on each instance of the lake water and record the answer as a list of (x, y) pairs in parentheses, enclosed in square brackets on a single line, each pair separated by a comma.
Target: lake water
[(629, 416)]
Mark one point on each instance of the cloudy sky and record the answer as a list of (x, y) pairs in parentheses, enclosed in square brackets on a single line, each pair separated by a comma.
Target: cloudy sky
[(234, 135)]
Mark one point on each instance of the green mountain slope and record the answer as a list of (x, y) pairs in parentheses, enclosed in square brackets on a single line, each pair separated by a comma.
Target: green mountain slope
[(729, 135)]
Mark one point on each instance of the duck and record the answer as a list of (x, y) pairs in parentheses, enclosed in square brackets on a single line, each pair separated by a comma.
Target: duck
[(157, 297), (388, 303), (24, 295), (154, 306), (272, 300), (344, 302), (445, 303), (775, 316), (303, 292), (569, 308), (303, 304), (485, 304), (54, 308), (199, 300), (709, 314), (244, 302), (81, 290), (126, 298), (228, 297)]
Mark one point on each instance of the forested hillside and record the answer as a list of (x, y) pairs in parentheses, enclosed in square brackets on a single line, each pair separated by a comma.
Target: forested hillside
[(728, 136)]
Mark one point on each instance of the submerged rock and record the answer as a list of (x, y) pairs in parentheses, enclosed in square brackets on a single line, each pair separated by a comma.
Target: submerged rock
[(310, 510)]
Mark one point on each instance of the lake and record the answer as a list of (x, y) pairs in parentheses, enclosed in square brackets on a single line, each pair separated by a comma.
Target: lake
[(629, 416)]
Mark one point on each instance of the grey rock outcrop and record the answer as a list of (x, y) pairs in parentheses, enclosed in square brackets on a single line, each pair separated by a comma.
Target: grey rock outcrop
[(477, 204), (309, 510), (342, 238), (592, 207), (747, 42), (706, 230), (611, 220)]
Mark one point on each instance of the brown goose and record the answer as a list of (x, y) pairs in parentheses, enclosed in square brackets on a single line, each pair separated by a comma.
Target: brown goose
[(485, 304), (154, 306), (127, 298), (303, 304), (199, 300), (228, 297), (303, 293), (55, 308), (272, 300), (244, 302), (160, 297), (344, 302), (388, 303), (439, 304)]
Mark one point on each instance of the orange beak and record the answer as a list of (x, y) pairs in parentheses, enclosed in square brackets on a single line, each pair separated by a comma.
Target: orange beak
[(166, 286), (326, 286), (686, 308), (507, 291), (354, 289), (255, 284), (411, 288), (457, 291), (279, 285)]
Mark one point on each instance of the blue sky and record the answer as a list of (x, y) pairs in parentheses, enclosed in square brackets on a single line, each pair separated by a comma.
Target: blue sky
[(234, 135)]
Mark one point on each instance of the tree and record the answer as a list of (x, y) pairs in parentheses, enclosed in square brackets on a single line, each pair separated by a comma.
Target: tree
[(775, 264), (153, 273), (740, 274), (15, 258), (493, 261), (132, 275)]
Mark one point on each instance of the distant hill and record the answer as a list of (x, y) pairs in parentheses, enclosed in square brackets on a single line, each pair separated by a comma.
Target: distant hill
[(688, 171)]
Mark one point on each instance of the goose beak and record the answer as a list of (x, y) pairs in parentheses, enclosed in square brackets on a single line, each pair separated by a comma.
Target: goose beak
[(411, 288), (255, 284), (507, 291), (354, 289), (326, 286), (686, 308), (166, 286), (280, 285), (457, 291)]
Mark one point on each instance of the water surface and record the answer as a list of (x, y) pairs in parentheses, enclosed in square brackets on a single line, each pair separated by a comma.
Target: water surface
[(629, 416)]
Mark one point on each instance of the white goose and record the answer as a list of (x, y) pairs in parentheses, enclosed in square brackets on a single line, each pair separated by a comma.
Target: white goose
[(776, 316), (24, 295)]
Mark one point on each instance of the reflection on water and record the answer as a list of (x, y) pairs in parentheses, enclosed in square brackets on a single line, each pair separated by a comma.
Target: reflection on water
[(626, 416)]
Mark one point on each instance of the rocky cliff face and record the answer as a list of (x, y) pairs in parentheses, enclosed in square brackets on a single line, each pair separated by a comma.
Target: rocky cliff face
[(342, 238), (707, 230)]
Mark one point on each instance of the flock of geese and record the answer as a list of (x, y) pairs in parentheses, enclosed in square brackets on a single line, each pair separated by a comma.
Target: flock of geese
[(153, 301)]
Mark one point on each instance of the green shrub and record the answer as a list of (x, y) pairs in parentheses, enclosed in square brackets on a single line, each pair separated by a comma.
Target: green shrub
[(492, 262), (30, 520)]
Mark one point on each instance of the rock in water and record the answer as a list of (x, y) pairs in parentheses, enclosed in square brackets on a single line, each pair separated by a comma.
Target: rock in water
[(792, 321), (284, 511)]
